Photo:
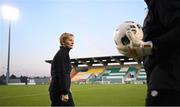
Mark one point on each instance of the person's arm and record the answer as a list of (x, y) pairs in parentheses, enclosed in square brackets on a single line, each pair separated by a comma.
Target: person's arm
[(168, 41), (169, 16), (62, 74)]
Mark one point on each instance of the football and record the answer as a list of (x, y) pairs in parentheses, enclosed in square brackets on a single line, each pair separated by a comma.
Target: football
[(122, 35)]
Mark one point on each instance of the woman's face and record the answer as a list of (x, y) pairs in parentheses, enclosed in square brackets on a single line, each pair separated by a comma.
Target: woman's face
[(69, 42)]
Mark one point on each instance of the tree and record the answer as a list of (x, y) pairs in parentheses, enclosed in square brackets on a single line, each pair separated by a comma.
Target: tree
[(3, 79), (13, 76)]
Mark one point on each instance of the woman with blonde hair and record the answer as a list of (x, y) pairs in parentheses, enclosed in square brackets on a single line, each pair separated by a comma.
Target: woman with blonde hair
[(59, 88)]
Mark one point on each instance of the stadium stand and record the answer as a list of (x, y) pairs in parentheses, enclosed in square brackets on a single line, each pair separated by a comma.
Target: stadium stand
[(141, 75), (107, 69), (112, 75), (84, 76)]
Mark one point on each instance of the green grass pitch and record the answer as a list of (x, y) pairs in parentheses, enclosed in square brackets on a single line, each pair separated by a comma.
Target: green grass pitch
[(84, 95)]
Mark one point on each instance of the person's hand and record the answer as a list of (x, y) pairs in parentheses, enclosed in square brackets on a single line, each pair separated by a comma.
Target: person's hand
[(144, 49), (65, 98), (135, 41)]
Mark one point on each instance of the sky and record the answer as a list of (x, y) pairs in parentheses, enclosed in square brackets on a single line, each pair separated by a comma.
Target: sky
[(34, 36)]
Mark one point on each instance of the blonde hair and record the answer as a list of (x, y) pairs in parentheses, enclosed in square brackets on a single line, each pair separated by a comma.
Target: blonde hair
[(64, 36)]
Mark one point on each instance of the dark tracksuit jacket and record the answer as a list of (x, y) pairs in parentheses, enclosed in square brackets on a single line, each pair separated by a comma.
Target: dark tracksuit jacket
[(162, 27), (60, 72)]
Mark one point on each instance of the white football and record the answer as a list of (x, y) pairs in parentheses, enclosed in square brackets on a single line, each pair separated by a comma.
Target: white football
[(121, 39)]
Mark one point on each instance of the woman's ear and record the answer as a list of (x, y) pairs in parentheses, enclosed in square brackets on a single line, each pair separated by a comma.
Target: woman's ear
[(63, 43)]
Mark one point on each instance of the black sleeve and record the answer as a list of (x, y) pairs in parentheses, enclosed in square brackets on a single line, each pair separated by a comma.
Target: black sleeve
[(169, 16), (169, 40), (62, 73)]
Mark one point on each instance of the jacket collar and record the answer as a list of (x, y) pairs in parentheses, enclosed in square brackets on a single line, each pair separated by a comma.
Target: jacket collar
[(65, 48)]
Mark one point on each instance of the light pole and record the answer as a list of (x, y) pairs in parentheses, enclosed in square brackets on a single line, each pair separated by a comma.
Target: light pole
[(9, 13)]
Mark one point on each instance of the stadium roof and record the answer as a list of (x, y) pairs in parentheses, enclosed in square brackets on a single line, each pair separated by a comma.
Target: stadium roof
[(105, 60)]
